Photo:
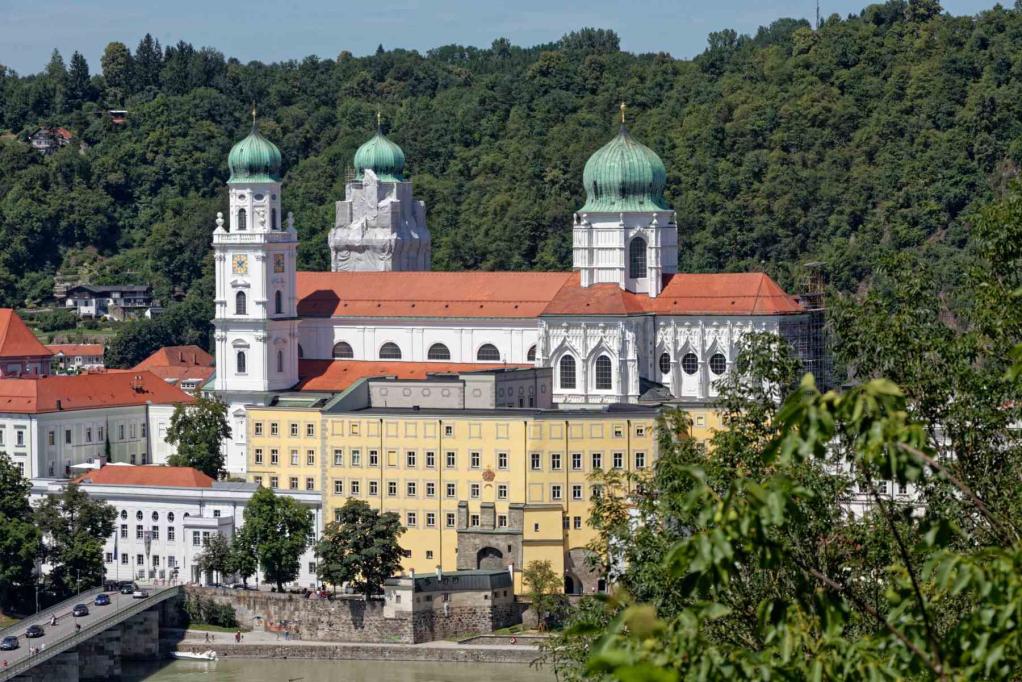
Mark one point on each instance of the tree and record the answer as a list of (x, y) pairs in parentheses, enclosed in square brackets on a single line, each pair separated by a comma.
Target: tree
[(199, 430), (148, 62), (278, 530), (215, 557), (19, 536), (242, 560), (56, 73), (360, 548), (74, 528), (545, 590), (118, 71), (79, 85)]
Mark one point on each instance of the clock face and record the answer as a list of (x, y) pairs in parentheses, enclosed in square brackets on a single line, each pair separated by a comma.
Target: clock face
[(278, 262), (239, 264)]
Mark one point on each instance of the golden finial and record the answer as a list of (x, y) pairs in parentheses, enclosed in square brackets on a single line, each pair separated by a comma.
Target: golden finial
[(622, 113), (253, 114), (379, 120)]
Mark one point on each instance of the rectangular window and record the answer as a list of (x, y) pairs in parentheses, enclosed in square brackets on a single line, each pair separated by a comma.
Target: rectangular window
[(555, 461), (139, 532), (294, 458), (156, 561), (337, 515), (292, 483), (274, 456), (356, 458), (501, 520), (354, 486), (196, 539), (577, 522), (640, 460), (171, 534), (101, 431), (338, 487), (473, 520), (258, 480), (451, 460), (310, 430), (258, 455), (88, 434), (310, 483), (576, 461), (452, 490), (274, 482), (310, 457), (374, 458), (109, 558), (374, 488), (67, 435), (430, 459), (502, 460), (353, 428), (338, 458), (555, 492), (534, 461), (430, 520), (449, 521), (124, 531), (274, 429), (640, 431), (448, 430), (293, 429), (502, 492), (139, 560), (392, 488), (410, 489), (430, 489), (171, 561), (597, 460), (576, 492), (619, 460), (473, 491), (124, 559), (475, 459), (410, 519), (410, 460), (257, 428), (51, 438), (155, 532), (216, 513)]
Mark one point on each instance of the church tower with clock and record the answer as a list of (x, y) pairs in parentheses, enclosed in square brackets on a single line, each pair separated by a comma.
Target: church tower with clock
[(255, 258)]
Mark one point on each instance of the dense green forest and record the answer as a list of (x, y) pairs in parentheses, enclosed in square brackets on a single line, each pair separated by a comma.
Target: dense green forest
[(868, 135)]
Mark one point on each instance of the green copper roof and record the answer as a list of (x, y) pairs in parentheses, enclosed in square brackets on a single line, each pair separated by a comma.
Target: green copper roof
[(382, 157), (624, 175), (254, 159)]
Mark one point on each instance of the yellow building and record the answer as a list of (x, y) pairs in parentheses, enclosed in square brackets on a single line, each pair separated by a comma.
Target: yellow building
[(475, 488)]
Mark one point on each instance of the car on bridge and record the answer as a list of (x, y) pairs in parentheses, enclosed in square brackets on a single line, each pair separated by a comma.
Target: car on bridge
[(80, 610), (34, 631), (9, 643), (102, 599), (127, 587), (140, 594)]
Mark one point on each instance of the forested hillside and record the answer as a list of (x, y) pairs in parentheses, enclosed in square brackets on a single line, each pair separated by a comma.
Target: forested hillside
[(871, 134)]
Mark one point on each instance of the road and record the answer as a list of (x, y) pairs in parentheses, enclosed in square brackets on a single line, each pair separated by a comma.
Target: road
[(65, 626)]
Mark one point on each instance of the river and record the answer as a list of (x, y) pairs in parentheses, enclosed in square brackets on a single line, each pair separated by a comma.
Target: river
[(297, 670)]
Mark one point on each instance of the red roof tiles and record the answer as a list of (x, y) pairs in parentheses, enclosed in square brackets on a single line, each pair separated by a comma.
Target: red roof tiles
[(160, 476), (338, 375), (87, 391), (16, 339), (76, 348), (177, 356)]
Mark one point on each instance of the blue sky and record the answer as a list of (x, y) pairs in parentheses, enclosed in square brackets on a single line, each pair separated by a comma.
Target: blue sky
[(272, 30)]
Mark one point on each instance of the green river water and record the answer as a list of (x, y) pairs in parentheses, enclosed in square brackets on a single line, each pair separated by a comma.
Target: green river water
[(296, 670)]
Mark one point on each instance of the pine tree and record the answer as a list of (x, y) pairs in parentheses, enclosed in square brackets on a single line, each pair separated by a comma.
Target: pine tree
[(56, 74), (79, 87), (118, 71), (148, 62)]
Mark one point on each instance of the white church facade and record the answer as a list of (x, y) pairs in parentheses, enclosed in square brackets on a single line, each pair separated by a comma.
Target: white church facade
[(621, 323)]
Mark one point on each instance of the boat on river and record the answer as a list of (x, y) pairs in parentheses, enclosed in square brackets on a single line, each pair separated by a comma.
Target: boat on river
[(209, 655)]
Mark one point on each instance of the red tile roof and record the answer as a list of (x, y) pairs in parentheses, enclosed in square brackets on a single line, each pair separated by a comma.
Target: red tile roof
[(87, 391), (427, 294), (338, 375), (16, 339), (177, 356), (160, 476), (739, 293), (76, 348)]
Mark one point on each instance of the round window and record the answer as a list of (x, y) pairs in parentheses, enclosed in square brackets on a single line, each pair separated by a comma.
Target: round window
[(124, 513), (718, 363), (689, 363), (258, 197), (138, 515), (156, 516), (170, 516), (665, 363)]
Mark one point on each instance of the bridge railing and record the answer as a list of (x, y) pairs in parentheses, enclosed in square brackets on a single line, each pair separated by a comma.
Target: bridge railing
[(43, 617), (88, 632)]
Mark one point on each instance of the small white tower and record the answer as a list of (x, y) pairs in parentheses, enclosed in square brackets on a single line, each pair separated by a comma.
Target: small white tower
[(255, 258)]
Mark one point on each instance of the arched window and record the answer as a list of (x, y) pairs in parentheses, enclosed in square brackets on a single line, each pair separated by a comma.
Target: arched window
[(604, 375), (718, 364), (689, 363), (301, 351), (531, 356), (343, 351), (239, 303), (567, 371), (280, 361), (273, 219), (488, 353), (242, 220), (278, 302), (438, 351), (665, 363), (390, 351), (241, 362), (637, 258)]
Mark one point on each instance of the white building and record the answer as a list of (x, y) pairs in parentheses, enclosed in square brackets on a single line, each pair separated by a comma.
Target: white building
[(165, 515), (621, 323), (77, 357)]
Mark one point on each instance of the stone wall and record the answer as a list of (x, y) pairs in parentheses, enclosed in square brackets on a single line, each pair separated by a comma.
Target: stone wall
[(350, 619), (368, 652), (63, 667), (140, 635), (100, 656)]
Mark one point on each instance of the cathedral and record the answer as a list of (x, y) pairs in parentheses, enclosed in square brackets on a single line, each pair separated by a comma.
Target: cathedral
[(621, 327)]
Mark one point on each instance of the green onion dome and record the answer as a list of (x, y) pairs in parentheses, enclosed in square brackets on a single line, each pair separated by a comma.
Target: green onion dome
[(624, 175), (254, 159), (382, 157)]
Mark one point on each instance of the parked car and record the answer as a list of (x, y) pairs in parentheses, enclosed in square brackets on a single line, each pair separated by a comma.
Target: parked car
[(34, 631), (240, 586), (111, 586), (102, 600), (80, 610), (140, 594), (127, 587), (9, 643)]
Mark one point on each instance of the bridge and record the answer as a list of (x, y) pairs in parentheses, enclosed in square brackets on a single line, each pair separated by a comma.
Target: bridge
[(66, 637)]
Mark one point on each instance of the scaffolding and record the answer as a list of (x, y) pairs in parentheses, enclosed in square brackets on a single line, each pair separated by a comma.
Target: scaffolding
[(807, 332)]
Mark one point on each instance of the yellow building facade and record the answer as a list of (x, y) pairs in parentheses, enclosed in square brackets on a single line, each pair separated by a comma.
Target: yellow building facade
[(474, 488)]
